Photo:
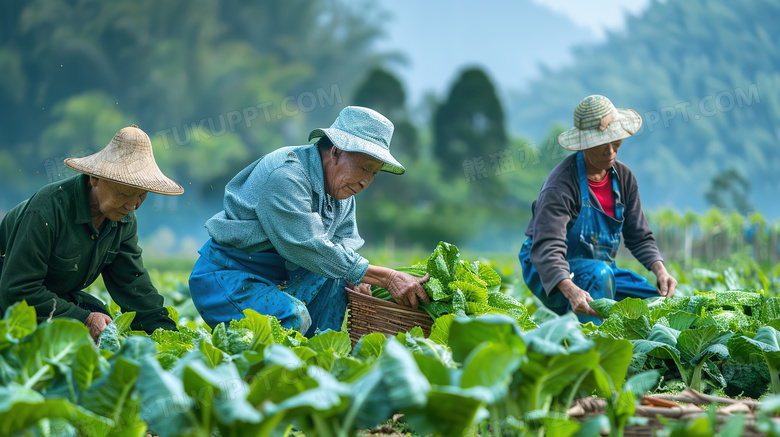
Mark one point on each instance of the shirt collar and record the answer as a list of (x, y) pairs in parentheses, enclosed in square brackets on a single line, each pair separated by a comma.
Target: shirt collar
[(313, 161), (614, 172), (81, 199)]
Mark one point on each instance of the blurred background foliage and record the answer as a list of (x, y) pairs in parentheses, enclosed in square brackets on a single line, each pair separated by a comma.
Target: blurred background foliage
[(705, 76), (217, 84)]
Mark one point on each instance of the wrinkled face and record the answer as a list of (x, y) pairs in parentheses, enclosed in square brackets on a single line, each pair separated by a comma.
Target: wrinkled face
[(115, 200), (602, 157), (350, 173)]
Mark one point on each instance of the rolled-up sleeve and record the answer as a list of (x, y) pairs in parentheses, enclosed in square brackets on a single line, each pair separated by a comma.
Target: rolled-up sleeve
[(298, 233)]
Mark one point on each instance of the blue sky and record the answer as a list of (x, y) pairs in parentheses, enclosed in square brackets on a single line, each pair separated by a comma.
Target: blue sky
[(509, 39)]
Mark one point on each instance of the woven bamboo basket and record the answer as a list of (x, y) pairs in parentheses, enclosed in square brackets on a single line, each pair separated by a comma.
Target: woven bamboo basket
[(369, 314), (667, 406)]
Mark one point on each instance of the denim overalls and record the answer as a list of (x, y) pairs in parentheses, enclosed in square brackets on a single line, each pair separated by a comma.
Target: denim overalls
[(225, 281), (591, 246)]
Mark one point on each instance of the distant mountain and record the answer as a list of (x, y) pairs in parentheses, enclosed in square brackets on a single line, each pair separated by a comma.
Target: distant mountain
[(704, 75), (510, 40)]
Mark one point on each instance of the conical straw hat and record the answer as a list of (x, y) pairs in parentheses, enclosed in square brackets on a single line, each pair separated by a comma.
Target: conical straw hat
[(127, 159), (598, 122)]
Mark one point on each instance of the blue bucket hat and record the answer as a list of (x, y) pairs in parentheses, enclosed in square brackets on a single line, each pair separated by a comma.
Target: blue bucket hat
[(363, 130)]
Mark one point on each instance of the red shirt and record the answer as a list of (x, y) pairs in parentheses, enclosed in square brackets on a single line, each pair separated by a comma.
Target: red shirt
[(603, 192)]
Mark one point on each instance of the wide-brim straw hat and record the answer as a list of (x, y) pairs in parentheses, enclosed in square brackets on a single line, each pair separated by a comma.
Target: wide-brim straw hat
[(597, 122), (128, 160), (363, 130)]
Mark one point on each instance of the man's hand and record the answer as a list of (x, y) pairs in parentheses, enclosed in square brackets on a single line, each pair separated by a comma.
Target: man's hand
[(665, 283), (97, 322), (360, 288), (406, 289), (578, 298)]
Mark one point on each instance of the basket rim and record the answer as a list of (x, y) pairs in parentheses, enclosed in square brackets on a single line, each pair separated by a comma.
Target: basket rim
[(354, 296), (369, 314)]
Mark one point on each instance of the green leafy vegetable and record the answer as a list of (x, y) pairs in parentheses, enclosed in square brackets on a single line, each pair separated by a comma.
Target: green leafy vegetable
[(602, 306), (459, 287), (109, 338), (766, 343)]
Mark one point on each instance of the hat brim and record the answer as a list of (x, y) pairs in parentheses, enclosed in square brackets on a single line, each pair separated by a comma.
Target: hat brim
[(152, 180), (352, 143), (627, 124)]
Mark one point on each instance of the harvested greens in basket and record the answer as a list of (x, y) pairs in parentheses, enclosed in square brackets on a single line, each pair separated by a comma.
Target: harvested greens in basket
[(462, 288)]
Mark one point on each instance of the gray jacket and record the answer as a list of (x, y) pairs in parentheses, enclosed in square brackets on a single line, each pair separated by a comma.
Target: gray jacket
[(558, 207)]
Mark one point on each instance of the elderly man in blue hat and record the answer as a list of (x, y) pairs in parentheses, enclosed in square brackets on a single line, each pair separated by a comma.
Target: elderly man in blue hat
[(588, 202), (286, 243)]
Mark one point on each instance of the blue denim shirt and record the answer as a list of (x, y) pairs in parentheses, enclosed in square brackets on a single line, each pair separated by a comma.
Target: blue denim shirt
[(279, 202)]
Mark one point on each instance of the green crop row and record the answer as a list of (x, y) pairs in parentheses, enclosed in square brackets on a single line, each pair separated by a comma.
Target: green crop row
[(499, 373)]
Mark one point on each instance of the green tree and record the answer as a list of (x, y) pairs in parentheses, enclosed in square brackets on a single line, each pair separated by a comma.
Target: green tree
[(383, 92), (470, 138), (85, 123), (690, 220), (735, 228), (668, 221), (470, 123), (712, 227), (774, 244), (214, 83), (334, 39), (758, 223), (705, 77), (729, 190)]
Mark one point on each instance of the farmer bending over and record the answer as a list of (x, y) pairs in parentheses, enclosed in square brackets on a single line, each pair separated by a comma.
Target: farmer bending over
[(285, 244), (56, 243), (587, 202)]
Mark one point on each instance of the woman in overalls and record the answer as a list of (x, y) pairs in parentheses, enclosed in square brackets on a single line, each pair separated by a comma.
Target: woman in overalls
[(586, 204)]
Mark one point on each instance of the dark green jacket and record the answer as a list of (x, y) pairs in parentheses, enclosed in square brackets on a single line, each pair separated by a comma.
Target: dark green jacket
[(50, 251)]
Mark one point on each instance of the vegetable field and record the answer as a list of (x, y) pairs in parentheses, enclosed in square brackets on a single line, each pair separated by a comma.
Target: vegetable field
[(495, 364)]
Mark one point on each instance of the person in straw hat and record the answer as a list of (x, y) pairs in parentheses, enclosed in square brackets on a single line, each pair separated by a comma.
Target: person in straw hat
[(286, 243), (56, 243), (586, 204)]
